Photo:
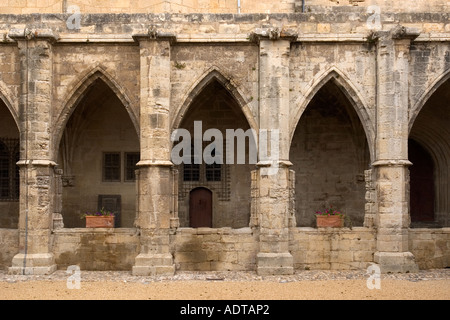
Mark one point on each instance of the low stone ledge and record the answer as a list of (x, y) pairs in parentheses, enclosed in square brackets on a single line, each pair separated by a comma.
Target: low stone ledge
[(64, 231), (206, 231)]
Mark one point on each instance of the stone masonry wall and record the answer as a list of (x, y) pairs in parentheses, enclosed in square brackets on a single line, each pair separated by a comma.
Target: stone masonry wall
[(431, 247), (331, 45), (96, 250), (337, 249), (205, 249), (232, 249), (9, 242), (210, 6)]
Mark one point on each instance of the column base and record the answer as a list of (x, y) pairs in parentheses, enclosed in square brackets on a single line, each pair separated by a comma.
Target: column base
[(274, 264), (153, 264), (33, 264), (396, 262)]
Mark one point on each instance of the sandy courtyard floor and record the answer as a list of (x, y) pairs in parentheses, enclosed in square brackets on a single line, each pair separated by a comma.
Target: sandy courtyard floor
[(223, 295), (234, 290), (307, 285)]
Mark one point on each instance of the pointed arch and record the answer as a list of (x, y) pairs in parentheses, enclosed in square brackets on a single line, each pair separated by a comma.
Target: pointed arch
[(204, 80), (217, 104), (79, 91), (425, 95), (12, 107), (428, 126), (348, 89)]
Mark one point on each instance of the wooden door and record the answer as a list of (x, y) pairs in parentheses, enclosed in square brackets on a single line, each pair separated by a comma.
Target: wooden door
[(200, 208), (421, 183)]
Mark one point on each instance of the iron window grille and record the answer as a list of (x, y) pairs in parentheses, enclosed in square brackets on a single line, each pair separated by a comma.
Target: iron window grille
[(131, 159), (111, 166)]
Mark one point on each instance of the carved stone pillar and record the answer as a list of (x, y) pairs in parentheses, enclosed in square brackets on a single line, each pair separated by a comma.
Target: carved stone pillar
[(155, 203), (273, 192), (391, 165), (36, 167)]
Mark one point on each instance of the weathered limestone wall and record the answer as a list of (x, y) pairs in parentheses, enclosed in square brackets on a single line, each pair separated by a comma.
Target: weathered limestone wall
[(338, 249), (211, 6), (9, 242), (10, 78), (232, 249), (237, 63), (312, 65), (115, 64), (156, 76), (96, 250), (221, 249), (431, 247), (236, 249)]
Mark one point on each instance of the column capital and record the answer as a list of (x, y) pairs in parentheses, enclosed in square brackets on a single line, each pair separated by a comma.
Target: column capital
[(401, 32), (36, 163), (27, 34), (391, 163), (273, 33), (153, 34), (398, 32), (155, 163)]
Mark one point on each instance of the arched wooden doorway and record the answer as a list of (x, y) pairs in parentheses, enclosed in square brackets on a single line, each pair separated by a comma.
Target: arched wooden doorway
[(200, 208)]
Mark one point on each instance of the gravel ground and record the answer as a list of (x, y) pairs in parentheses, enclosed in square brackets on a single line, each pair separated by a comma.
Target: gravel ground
[(304, 285)]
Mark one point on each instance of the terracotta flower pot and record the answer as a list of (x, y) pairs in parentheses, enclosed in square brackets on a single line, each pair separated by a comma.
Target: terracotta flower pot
[(99, 221), (333, 221)]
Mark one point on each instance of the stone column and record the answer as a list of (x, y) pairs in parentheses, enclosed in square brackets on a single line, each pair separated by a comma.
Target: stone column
[(391, 165), (273, 199), (36, 167), (156, 177)]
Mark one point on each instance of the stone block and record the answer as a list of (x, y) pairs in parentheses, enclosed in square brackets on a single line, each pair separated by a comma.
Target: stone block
[(38, 264), (274, 263), (153, 270), (153, 264), (393, 262)]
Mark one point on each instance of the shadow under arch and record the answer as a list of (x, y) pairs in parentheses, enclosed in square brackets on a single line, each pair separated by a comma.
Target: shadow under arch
[(4, 93), (79, 90), (329, 151), (209, 76), (425, 95), (215, 104), (429, 126), (344, 84)]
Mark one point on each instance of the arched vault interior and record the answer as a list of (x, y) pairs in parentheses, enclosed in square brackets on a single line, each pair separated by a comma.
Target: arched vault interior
[(329, 152), (214, 107), (98, 152), (431, 131)]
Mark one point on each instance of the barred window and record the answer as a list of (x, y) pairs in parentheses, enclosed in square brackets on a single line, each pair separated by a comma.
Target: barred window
[(111, 166), (191, 172), (131, 159), (213, 172), (9, 171)]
